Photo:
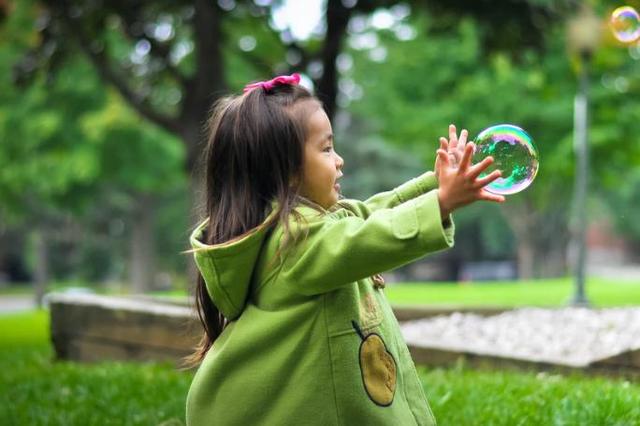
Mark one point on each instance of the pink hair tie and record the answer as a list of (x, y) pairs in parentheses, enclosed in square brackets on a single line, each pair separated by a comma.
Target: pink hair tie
[(292, 79)]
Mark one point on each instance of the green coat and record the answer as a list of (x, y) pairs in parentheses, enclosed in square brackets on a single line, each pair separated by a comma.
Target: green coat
[(312, 341)]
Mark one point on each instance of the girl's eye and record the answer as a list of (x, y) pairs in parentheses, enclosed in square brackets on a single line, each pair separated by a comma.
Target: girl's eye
[(328, 148)]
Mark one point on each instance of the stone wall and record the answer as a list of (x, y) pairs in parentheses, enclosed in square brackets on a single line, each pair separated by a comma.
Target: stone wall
[(96, 328), (91, 328)]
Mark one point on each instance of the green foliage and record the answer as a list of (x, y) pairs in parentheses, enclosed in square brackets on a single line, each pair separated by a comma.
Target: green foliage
[(65, 136), (69, 146), (251, 63), (133, 155), (372, 166), (42, 159), (73, 151), (436, 79), (415, 88), (443, 77)]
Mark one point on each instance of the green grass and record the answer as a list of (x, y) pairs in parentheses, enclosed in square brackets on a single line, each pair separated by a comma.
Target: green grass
[(460, 396), (24, 329), (550, 292), (35, 390)]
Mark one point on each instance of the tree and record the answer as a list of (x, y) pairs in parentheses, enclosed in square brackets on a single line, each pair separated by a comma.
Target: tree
[(411, 88), (69, 145), (170, 60), (143, 49), (186, 46)]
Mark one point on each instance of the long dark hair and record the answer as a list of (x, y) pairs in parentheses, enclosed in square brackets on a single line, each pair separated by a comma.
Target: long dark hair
[(254, 154)]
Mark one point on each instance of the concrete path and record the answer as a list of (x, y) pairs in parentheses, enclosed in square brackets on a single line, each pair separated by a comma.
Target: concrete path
[(17, 303)]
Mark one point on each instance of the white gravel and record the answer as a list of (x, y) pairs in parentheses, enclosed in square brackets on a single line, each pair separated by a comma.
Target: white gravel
[(567, 336)]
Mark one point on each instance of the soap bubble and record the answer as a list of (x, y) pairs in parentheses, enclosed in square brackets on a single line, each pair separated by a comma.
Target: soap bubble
[(514, 154), (625, 23)]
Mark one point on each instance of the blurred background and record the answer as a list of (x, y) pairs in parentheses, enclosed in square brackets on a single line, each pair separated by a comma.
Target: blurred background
[(102, 105)]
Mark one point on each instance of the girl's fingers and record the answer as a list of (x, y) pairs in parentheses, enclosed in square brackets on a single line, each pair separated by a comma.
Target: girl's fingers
[(463, 138), (488, 196), (466, 157), (443, 156), (477, 169), (487, 179), (444, 144), (453, 137), (473, 147)]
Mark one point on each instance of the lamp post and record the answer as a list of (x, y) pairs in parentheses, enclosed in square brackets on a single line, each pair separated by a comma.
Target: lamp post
[(584, 34)]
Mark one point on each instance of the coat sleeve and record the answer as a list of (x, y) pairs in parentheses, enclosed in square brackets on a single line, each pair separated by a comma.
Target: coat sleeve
[(388, 199), (340, 249)]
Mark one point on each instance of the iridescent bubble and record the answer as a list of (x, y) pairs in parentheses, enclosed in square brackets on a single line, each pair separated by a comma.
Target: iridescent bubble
[(625, 24), (513, 152)]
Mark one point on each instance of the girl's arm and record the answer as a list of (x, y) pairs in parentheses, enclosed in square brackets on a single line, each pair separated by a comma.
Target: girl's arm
[(388, 199), (340, 248), (416, 186)]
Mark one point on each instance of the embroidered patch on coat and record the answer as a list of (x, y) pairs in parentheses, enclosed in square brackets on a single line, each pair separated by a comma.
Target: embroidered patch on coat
[(378, 368)]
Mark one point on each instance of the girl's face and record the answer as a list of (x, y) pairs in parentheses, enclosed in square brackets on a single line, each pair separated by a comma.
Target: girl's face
[(322, 165)]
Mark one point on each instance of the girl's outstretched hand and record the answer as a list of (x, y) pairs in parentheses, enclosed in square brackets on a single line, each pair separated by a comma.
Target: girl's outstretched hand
[(453, 146), (460, 185)]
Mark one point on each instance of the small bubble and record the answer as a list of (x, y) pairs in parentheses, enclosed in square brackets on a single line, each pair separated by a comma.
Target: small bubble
[(625, 24)]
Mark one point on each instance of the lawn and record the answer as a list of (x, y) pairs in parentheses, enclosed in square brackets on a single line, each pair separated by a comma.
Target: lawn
[(549, 292), (36, 390), (39, 391)]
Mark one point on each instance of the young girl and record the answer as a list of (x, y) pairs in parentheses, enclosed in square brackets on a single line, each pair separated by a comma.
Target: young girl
[(298, 330)]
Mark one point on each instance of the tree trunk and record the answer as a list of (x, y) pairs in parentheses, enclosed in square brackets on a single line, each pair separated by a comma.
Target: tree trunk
[(337, 18), (41, 272), (554, 261), (526, 258), (142, 257)]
